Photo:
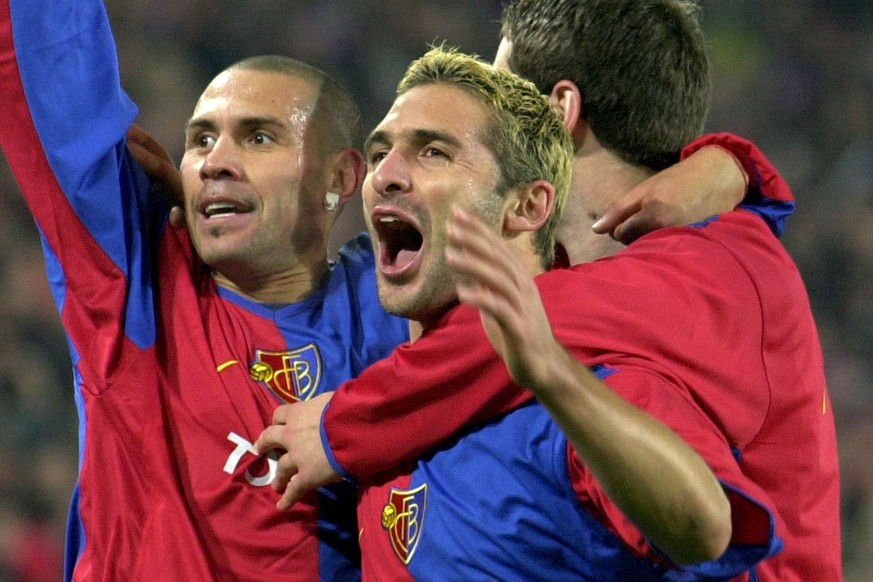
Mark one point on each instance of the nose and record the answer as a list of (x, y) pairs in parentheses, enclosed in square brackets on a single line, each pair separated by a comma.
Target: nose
[(391, 176), (222, 160)]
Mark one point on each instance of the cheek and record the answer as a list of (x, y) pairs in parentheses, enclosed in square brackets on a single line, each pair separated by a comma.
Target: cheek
[(189, 170), (368, 195)]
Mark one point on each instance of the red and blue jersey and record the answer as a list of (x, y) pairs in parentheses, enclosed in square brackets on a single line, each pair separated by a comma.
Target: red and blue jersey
[(174, 377), (767, 193), (500, 504), (707, 328)]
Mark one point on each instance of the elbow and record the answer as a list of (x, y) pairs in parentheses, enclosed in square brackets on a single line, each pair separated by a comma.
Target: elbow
[(708, 533)]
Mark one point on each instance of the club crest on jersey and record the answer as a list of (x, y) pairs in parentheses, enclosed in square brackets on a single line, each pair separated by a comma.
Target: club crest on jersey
[(403, 517), (292, 375)]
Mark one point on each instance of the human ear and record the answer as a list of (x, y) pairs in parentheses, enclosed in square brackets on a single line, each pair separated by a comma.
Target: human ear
[(531, 209), (567, 99), (346, 179)]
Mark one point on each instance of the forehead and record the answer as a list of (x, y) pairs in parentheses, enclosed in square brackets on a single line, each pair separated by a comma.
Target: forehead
[(439, 108), (249, 93)]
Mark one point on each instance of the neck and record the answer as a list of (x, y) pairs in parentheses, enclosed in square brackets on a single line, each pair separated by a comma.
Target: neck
[(289, 286), (599, 178)]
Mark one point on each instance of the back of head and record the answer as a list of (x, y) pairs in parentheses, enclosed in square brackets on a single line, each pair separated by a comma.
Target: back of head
[(335, 114), (640, 65), (526, 135)]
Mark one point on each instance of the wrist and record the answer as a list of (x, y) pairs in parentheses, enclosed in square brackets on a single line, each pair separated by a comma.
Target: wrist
[(739, 150)]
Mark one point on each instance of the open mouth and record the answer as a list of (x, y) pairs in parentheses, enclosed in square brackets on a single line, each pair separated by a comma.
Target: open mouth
[(218, 208), (400, 242)]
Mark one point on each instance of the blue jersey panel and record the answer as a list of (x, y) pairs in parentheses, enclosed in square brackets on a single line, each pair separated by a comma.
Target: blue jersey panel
[(774, 212), (84, 141), (334, 334), (498, 504)]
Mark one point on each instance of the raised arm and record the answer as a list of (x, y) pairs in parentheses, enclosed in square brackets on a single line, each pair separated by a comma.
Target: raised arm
[(63, 104), (62, 127), (658, 481)]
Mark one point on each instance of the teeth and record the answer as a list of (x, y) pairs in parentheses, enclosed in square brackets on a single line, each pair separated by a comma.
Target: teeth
[(217, 208), (388, 219)]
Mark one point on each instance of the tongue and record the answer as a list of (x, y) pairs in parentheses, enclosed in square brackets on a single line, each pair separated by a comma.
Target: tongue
[(404, 257)]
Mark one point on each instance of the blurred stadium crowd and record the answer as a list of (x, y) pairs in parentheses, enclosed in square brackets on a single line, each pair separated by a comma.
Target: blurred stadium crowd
[(796, 77)]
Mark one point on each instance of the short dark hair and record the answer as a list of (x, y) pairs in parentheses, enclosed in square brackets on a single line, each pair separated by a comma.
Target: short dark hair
[(335, 112), (641, 66)]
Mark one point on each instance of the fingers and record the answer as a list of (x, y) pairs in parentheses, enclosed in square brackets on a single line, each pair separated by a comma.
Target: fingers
[(477, 251), (140, 138), (269, 440), (273, 437), (488, 272), (617, 213), (286, 467), (292, 494), (156, 163), (286, 470), (297, 473), (281, 413), (492, 279), (303, 464), (177, 217), (150, 163), (634, 227)]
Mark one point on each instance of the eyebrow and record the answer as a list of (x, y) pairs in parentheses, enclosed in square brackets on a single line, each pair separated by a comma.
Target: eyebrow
[(415, 136), (245, 123)]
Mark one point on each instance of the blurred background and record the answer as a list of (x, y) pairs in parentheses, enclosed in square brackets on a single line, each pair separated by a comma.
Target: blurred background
[(794, 76)]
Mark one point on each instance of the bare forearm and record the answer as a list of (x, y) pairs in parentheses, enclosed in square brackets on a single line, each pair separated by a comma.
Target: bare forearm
[(658, 481)]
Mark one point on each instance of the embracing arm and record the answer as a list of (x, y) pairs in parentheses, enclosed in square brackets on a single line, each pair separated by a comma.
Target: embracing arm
[(394, 411), (716, 173)]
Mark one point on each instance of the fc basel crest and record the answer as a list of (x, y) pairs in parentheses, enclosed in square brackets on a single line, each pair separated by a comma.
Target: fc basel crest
[(403, 517), (293, 375)]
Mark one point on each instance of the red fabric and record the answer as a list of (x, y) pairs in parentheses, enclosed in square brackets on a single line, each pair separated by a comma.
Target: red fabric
[(719, 313), (762, 174)]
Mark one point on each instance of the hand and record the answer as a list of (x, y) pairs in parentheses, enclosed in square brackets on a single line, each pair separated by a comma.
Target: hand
[(159, 167), (296, 430), (708, 182), (493, 280)]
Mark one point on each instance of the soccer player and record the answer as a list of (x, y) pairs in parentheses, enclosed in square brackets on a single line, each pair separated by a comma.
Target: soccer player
[(183, 342), (513, 499), (154, 392), (720, 319)]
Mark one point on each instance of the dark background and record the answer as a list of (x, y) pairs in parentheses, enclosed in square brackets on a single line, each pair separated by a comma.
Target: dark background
[(793, 76)]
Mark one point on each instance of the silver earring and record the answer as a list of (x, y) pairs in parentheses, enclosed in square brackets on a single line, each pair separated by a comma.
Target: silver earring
[(331, 200)]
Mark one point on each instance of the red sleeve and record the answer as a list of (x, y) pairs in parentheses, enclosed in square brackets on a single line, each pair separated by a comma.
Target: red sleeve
[(675, 407), (764, 178), (427, 391), (421, 395)]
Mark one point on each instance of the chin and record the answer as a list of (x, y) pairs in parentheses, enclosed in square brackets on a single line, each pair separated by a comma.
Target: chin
[(420, 304)]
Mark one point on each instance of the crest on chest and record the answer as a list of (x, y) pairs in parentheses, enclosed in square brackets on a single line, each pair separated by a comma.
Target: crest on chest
[(292, 375)]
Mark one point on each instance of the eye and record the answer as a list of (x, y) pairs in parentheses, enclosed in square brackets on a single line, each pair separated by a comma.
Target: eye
[(201, 140), (376, 156), (434, 152), (261, 138)]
